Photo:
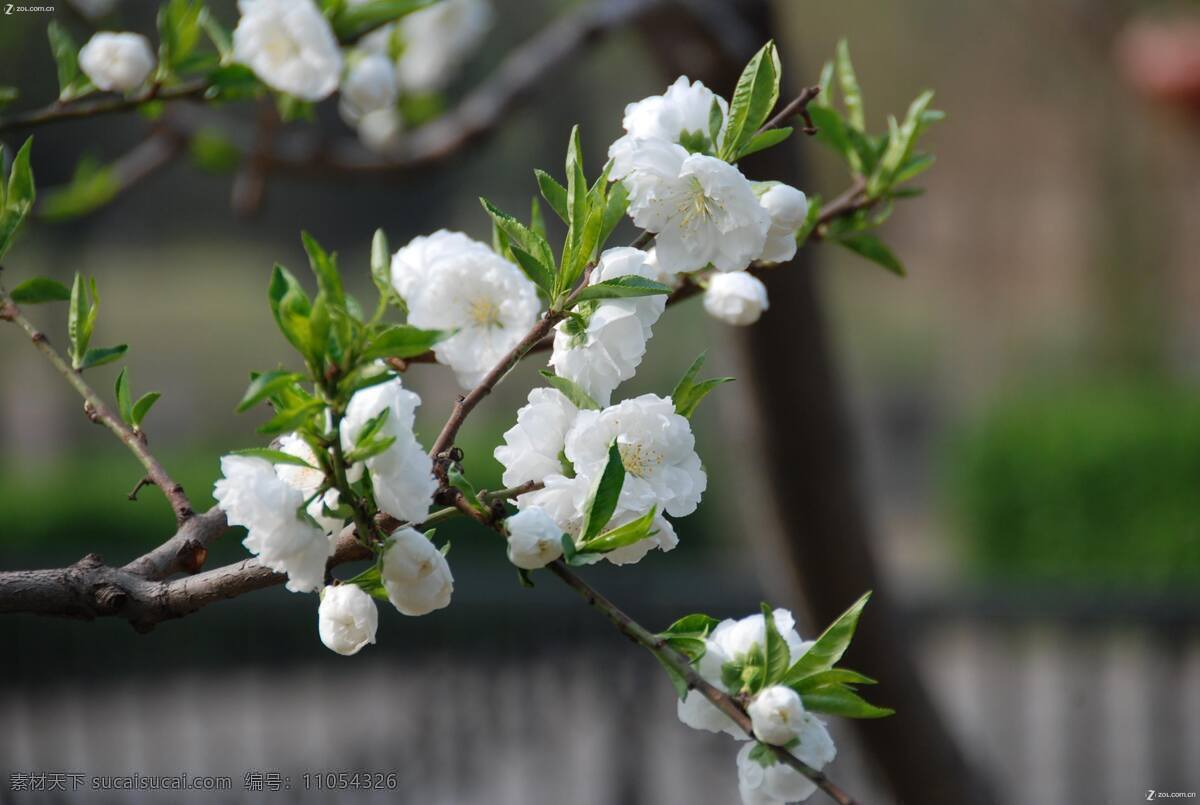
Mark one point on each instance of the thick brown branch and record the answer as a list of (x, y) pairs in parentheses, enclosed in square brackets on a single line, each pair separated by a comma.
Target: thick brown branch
[(98, 412)]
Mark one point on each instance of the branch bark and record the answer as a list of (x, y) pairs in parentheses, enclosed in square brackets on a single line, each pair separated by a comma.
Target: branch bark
[(94, 107)]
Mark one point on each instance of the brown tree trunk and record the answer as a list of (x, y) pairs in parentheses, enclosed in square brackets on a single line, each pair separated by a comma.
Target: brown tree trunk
[(795, 395)]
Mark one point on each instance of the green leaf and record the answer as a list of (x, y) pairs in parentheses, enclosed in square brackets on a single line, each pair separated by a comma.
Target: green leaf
[(522, 236), (178, 32), (699, 392), (811, 219), (66, 57), (102, 355), (143, 406), (370, 449), (324, 267), (460, 482), (18, 197), (836, 700), (633, 531), (402, 341), (831, 676), (614, 211), (371, 582), (777, 657), (7, 96), (902, 141), (830, 646), (265, 385), (232, 82), (291, 307), (870, 247), (577, 186), (765, 140), (688, 394), (540, 274), (831, 130), (621, 288), (684, 386), (764, 755), (92, 186), (124, 398), (78, 330), (291, 418), (694, 625), (913, 167), (848, 82), (536, 222), (39, 290), (716, 122), (754, 97), (217, 34), (603, 497), (273, 456), (677, 681), (352, 22), (691, 647), (213, 152), (571, 390), (554, 193)]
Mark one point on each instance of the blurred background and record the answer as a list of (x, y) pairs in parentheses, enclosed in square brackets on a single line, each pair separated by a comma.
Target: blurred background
[(1005, 444)]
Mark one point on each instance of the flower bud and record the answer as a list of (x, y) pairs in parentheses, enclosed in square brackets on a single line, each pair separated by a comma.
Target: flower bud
[(788, 208), (534, 539), (415, 574), (347, 618), (776, 713), (369, 85), (117, 62), (735, 297)]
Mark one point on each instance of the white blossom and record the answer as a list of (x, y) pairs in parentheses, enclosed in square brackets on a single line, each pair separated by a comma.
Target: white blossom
[(402, 475), (451, 282), (609, 349), (534, 539), (735, 297), (702, 208), (788, 208), (776, 713), (779, 783), (657, 450), (117, 62), (683, 109), (308, 480), (381, 130), (368, 86), (347, 618), (289, 45), (436, 40), (253, 495), (415, 574), (731, 640), (532, 447)]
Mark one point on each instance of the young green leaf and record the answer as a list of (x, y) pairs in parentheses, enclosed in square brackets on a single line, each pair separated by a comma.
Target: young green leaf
[(836, 700), (615, 208), (764, 140), (124, 398), (764, 755), (694, 625), (66, 59), (93, 185), (831, 130), (354, 21), (776, 652), (872, 248), (178, 31), (848, 81), (142, 407), (324, 266), (265, 385), (831, 676), (102, 355), (7, 96), (622, 287), (402, 341), (571, 390), (633, 531), (602, 499), (830, 646), (291, 308), (292, 417), (18, 197), (677, 681), (273, 456), (697, 394), (540, 274), (811, 219), (554, 193), (520, 235), (38, 290), (684, 386), (754, 97)]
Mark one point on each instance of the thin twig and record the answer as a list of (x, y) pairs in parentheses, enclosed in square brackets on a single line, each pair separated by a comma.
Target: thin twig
[(797, 106), (93, 107), (97, 411)]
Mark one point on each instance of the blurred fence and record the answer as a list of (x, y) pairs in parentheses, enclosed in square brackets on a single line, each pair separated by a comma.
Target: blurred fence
[(1054, 708)]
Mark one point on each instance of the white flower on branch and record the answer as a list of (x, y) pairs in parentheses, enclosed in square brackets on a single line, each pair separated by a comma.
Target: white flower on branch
[(415, 574), (402, 475), (368, 86), (533, 447), (347, 618), (117, 62), (788, 208), (381, 130), (681, 111), (609, 348), (779, 783), (289, 45), (735, 297), (253, 495), (733, 640), (703, 210), (776, 713), (309, 481), (534, 539), (436, 40), (451, 282), (657, 450)]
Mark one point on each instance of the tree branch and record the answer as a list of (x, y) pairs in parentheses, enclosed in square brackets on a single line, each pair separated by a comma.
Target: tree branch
[(97, 411), (109, 104)]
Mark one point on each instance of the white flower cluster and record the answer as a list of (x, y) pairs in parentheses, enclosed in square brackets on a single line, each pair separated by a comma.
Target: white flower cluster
[(290, 46), (565, 448), (777, 713), (451, 282), (420, 53), (290, 514), (702, 209)]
